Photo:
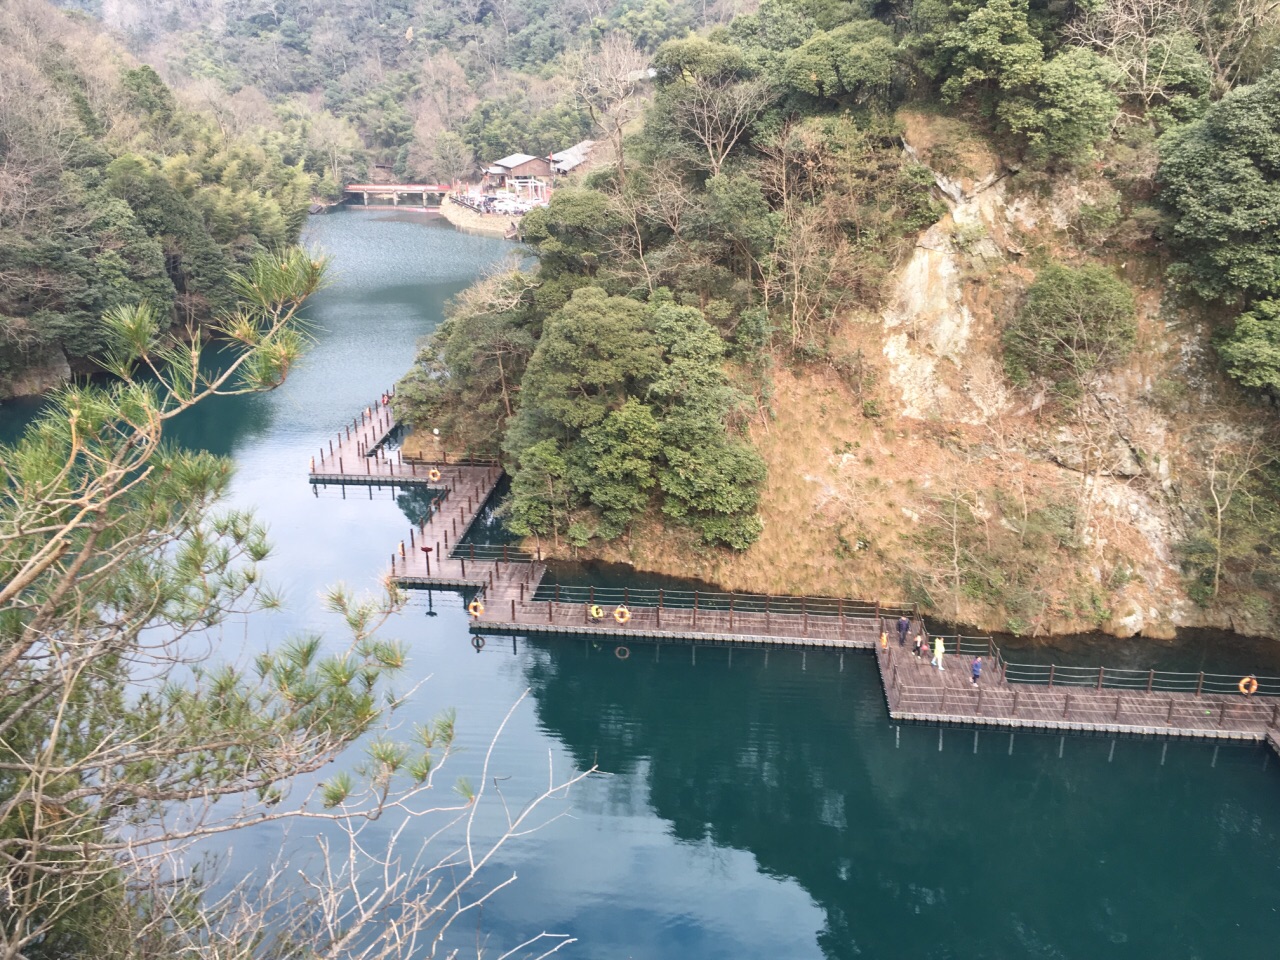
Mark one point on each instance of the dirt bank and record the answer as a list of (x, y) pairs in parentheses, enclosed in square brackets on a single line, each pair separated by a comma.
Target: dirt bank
[(468, 220)]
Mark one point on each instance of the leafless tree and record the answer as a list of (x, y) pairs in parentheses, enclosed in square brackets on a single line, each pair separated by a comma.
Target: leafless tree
[(717, 111), (1231, 463), (609, 81), (1147, 39)]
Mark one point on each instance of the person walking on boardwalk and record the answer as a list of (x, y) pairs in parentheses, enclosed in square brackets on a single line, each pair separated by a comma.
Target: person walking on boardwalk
[(976, 671), (903, 626), (918, 648), (938, 651)]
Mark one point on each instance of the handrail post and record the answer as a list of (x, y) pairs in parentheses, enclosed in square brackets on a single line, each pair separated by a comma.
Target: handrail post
[(1051, 669), (550, 613), (695, 609), (1066, 706), (1222, 714), (1014, 712), (1168, 720), (1151, 678), (513, 605), (730, 611), (1101, 670), (1200, 683)]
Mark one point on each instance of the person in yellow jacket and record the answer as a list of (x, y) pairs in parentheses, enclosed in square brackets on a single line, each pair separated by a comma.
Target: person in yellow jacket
[(938, 651)]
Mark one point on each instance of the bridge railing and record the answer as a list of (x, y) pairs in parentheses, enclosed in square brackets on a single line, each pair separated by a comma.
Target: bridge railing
[(465, 459), (505, 553), (713, 601), (1144, 681), (1103, 678), (780, 626), (1073, 705)]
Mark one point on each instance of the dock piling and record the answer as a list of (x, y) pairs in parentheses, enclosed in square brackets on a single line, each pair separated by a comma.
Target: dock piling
[(911, 693)]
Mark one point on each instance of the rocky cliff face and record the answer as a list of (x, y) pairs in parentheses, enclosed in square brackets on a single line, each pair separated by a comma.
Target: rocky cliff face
[(1127, 457), (46, 373), (931, 478)]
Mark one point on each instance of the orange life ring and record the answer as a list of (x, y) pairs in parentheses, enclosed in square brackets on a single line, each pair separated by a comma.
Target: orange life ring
[(433, 474), (476, 609), (622, 614), (1248, 686)]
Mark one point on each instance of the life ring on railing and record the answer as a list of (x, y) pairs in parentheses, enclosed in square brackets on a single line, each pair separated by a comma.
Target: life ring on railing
[(478, 643), (433, 474), (1248, 685), (621, 652), (476, 608), (622, 614), (595, 613)]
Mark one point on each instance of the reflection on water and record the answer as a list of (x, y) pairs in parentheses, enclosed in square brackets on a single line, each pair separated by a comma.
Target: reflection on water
[(912, 842)]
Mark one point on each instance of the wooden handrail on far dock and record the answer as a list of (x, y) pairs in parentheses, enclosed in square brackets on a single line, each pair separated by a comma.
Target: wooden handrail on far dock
[(1012, 696)]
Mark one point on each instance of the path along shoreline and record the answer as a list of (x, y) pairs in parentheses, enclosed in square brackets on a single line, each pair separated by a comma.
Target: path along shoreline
[(505, 586)]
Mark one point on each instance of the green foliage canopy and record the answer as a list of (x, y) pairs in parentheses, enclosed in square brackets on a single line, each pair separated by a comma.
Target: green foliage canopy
[(1252, 348), (1074, 323), (1220, 176)]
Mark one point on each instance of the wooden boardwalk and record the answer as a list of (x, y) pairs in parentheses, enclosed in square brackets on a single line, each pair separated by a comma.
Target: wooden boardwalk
[(506, 583), (916, 691), (510, 613)]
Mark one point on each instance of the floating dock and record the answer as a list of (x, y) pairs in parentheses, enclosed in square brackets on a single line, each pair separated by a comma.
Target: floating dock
[(506, 584)]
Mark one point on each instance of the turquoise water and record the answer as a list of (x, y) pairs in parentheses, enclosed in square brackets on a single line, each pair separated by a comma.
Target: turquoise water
[(748, 804)]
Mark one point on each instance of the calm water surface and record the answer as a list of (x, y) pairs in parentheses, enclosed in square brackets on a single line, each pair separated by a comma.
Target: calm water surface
[(751, 805)]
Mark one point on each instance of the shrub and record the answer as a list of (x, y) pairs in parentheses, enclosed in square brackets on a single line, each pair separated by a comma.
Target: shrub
[(1252, 349), (1074, 323)]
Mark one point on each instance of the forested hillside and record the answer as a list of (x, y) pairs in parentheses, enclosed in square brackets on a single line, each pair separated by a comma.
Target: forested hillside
[(112, 192), (970, 304), (428, 87), (964, 304)]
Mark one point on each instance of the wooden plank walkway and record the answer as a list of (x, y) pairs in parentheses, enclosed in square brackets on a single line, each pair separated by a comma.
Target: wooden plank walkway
[(512, 612), (356, 455), (915, 691), (506, 585)]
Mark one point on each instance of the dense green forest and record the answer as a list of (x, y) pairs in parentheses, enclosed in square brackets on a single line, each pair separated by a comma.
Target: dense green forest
[(428, 87), (113, 192), (765, 196)]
